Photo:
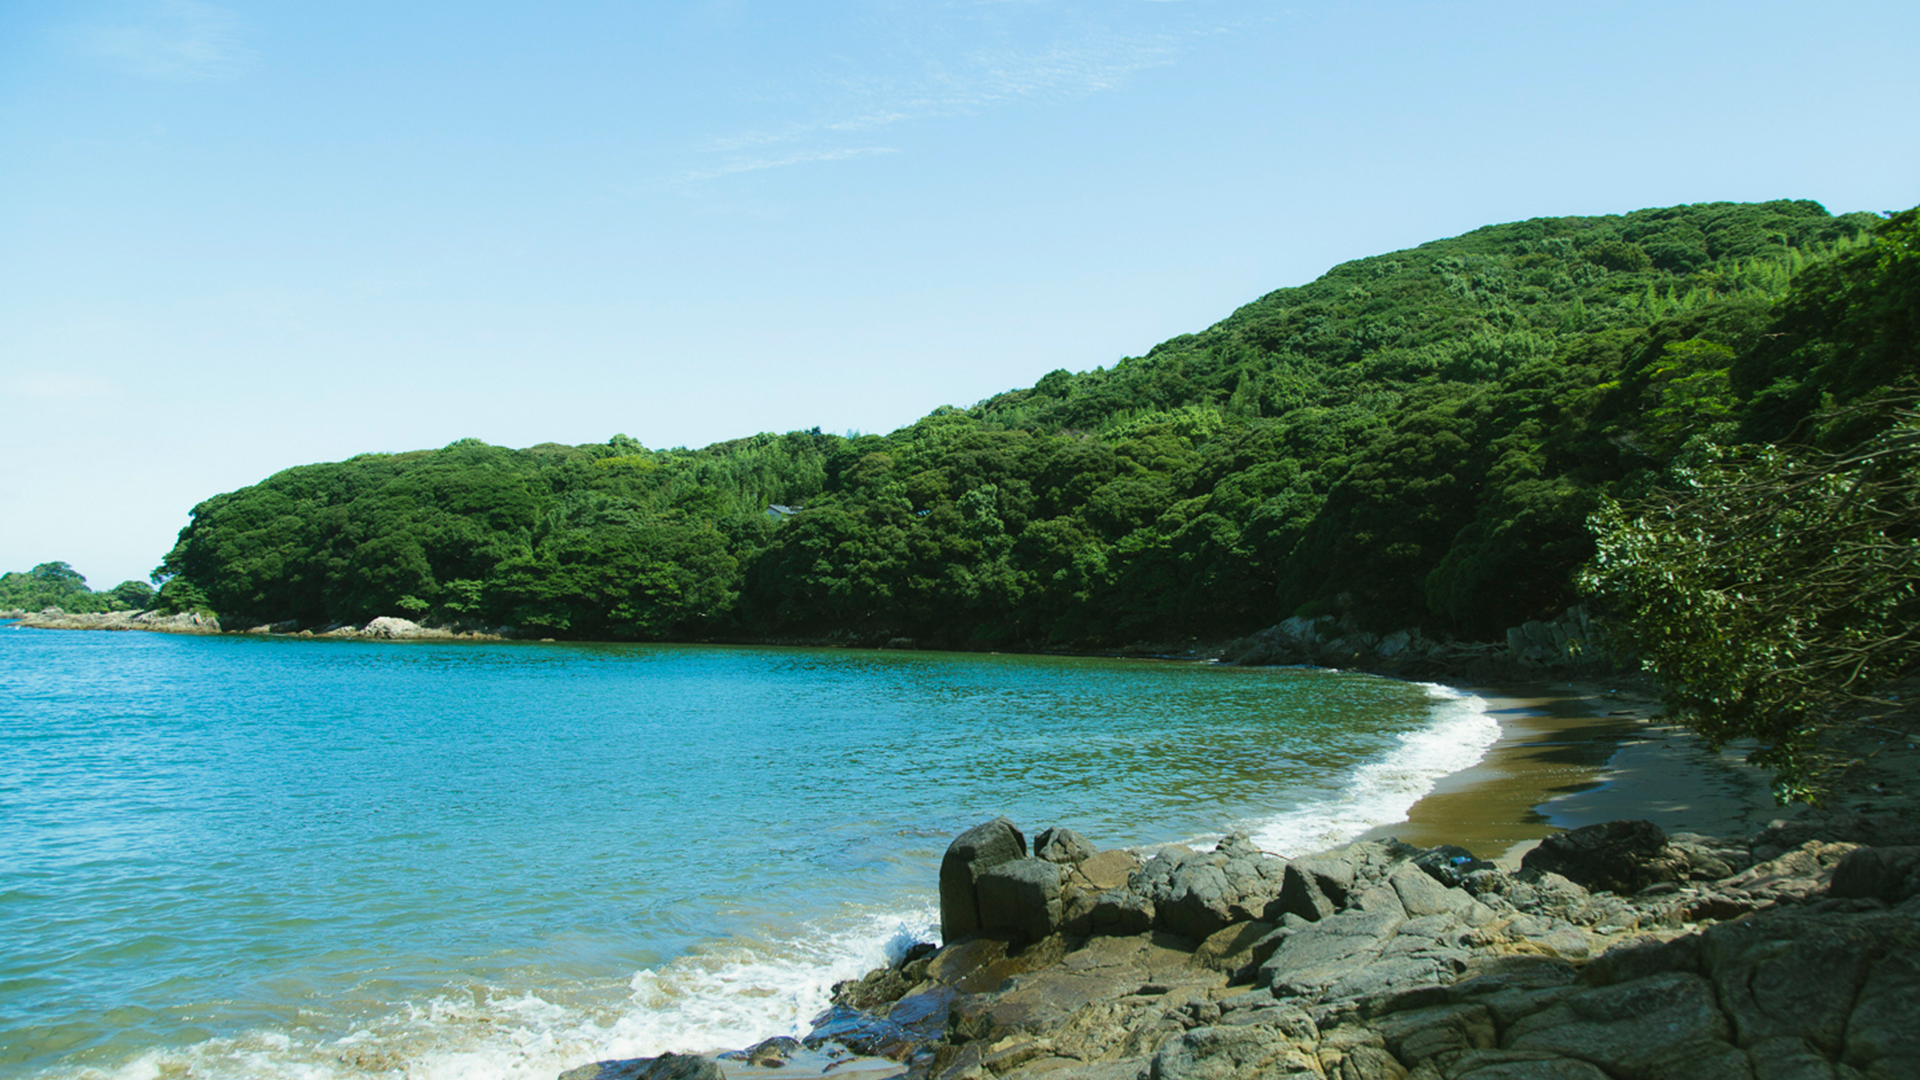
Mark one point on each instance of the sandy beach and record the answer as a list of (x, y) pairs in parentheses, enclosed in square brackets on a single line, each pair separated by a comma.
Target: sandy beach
[(1577, 753)]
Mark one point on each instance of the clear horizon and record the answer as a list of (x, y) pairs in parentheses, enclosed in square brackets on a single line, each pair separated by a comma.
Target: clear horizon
[(239, 238)]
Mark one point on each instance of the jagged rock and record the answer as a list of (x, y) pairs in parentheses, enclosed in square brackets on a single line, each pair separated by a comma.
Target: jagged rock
[(1196, 894), (1617, 856), (664, 1067), (973, 852), (389, 626), (1547, 894), (1060, 845), (1317, 886), (1019, 896)]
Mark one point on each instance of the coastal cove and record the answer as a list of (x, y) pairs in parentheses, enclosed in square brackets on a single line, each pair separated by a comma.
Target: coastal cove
[(272, 857)]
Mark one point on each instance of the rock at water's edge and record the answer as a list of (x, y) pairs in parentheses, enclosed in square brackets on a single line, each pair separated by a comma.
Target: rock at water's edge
[(971, 854)]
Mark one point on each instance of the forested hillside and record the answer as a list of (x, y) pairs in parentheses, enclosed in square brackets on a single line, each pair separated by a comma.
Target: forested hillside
[(1412, 439)]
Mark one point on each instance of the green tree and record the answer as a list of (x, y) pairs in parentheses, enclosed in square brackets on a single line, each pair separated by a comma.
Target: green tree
[(1766, 589)]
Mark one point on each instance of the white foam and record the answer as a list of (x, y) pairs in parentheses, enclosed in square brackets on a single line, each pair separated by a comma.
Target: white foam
[(725, 996), (1381, 792)]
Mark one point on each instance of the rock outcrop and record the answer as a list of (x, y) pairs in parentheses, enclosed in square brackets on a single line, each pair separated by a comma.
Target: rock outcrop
[(1570, 644), (1620, 954), (384, 628)]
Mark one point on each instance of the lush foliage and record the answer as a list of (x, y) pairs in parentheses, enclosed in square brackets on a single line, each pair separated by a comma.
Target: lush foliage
[(1768, 587), (55, 584), (1416, 438)]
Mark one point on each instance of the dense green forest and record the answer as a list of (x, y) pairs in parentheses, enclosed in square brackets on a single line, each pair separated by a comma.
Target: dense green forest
[(1415, 439), (55, 584)]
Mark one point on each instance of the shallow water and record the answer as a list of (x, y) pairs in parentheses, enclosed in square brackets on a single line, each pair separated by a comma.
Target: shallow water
[(269, 857)]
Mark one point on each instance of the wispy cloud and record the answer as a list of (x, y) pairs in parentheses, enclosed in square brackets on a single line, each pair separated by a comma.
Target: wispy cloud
[(939, 68), (746, 164), (182, 40)]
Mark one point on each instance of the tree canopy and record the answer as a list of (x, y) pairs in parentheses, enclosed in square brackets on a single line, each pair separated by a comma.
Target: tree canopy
[(55, 584), (1415, 439)]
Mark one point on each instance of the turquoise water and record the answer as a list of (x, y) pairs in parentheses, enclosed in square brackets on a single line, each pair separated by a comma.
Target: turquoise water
[(260, 857)]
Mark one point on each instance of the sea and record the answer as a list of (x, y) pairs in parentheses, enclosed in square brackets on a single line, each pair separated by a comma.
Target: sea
[(259, 857)]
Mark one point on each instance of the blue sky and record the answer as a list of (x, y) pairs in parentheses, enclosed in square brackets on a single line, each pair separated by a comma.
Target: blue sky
[(243, 236)]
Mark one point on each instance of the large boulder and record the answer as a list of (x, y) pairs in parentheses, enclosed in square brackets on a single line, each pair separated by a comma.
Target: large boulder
[(1621, 857), (1196, 894), (971, 854), (1888, 874), (1020, 897)]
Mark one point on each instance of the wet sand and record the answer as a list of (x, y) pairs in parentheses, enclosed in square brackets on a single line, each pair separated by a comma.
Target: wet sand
[(1573, 754)]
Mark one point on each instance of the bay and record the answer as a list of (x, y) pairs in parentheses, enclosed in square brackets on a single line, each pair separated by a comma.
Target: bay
[(238, 856)]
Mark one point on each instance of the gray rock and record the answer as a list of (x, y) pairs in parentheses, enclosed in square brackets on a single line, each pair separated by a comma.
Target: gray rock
[(1058, 845), (1791, 876), (1309, 958), (1363, 1063), (1521, 1065), (1197, 899), (1420, 894), (1316, 886), (1230, 1053), (1119, 913), (1794, 974), (664, 1067), (1891, 874), (1418, 1034), (1236, 948), (1254, 878), (1883, 1033), (1666, 1026), (1788, 1058), (772, 1053), (390, 626), (1449, 865), (1020, 896), (977, 850), (1547, 894), (1617, 856), (1640, 957)]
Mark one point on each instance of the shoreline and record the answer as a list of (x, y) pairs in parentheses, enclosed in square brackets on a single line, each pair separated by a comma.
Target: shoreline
[(1577, 753)]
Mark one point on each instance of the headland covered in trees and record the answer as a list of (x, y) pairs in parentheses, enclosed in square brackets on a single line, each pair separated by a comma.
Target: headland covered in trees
[(1416, 439)]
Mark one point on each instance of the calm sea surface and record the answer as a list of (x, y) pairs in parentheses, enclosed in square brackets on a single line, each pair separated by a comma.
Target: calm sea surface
[(235, 857)]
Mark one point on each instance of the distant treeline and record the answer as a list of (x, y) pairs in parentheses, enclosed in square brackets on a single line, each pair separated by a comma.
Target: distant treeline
[(55, 584), (1412, 439)]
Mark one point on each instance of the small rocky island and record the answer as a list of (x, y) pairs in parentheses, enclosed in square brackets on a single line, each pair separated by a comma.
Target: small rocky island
[(1613, 952)]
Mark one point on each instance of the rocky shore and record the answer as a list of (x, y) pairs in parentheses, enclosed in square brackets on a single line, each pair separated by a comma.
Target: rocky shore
[(385, 628), (1611, 952)]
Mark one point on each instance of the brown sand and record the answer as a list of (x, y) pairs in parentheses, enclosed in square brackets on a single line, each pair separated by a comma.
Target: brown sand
[(1573, 754)]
